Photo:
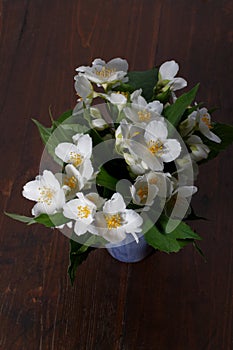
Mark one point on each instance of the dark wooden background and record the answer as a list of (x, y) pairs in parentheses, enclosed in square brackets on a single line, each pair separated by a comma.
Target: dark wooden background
[(167, 302)]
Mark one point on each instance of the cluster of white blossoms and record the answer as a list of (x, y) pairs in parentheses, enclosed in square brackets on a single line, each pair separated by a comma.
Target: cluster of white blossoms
[(142, 138)]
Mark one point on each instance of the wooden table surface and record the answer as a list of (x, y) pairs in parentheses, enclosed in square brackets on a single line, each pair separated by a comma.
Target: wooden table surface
[(166, 302)]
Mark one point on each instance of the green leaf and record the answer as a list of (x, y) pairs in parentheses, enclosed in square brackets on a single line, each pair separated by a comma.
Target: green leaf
[(78, 253), (21, 218), (161, 241), (62, 118), (45, 133), (225, 132), (157, 237), (44, 219), (106, 180), (174, 112), (146, 80), (181, 231), (51, 220), (198, 249)]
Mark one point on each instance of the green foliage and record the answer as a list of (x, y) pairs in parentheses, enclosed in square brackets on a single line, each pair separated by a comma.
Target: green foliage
[(106, 180), (157, 237), (174, 112), (62, 130), (61, 119), (45, 133), (44, 219), (78, 253)]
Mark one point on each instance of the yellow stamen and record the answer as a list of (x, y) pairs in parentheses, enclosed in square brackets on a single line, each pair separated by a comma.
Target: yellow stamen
[(75, 159), (46, 195), (143, 192), (105, 72), (153, 181), (206, 120), (71, 181), (113, 221), (144, 115), (124, 93), (83, 211), (155, 147)]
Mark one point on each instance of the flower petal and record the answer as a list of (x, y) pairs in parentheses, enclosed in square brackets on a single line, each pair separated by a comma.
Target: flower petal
[(80, 227), (178, 83), (119, 64), (31, 190), (168, 70), (173, 149), (156, 130), (115, 204)]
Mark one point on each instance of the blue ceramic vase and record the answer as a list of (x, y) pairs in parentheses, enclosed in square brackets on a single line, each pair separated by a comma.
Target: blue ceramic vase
[(130, 252)]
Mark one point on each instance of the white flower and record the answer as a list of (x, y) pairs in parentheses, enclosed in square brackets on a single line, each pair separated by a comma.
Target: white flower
[(82, 210), (199, 149), (154, 148), (148, 186), (135, 95), (47, 192), (75, 179), (143, 193), (137, 166), (167, 73), (142, 112), (83, 88), (199, 120), (103, 73), (97, 122), (117, 99), (181, 199), (76, 153), (124, 133), (115, 221), (187, 127), (205, 125)]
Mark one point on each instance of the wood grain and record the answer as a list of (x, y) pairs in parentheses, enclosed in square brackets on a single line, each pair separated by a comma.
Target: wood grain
[(166, 302)]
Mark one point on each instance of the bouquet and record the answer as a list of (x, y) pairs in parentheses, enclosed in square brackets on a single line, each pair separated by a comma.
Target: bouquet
[(120, 167)]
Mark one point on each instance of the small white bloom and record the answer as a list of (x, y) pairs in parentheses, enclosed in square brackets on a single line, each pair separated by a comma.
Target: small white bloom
[(205, 125), (155, 148), (135, 95), (103, 73), (124, 134), (199, 149), (143, 192), (82, 210), (142, 112), (97, 122), (137, 166), (148, 186), (47, 192), (199, 120), (76, 153), (115, 221), (117, 99), (167, 73), (75, 180), (83, 87), (187, 127)]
